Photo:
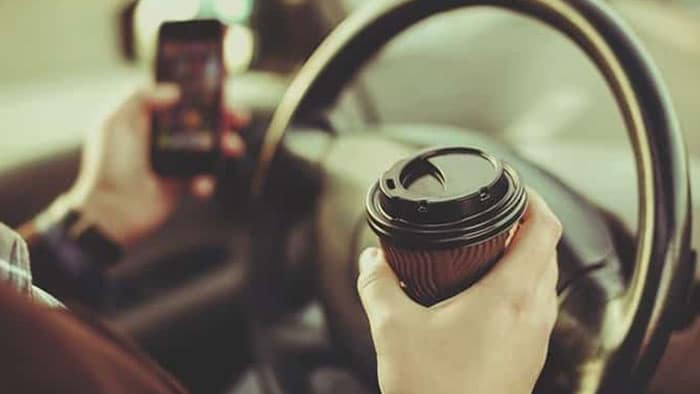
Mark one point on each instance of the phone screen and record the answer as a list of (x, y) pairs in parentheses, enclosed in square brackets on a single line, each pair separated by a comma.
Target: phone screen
[(187, 134)]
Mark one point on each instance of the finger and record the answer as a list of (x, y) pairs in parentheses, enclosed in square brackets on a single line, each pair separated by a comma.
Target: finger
[(203, 186), (232, 145), (548, 286), (237, 119), (549, 289), (546, 301), (378, 287), (551, 276), (156, 97), (531, 250)]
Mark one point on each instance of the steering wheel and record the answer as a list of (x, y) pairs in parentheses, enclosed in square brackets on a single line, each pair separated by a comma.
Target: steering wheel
[(632, 329)]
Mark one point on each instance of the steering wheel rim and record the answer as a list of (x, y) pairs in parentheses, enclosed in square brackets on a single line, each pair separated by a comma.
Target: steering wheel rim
[(637, 326)]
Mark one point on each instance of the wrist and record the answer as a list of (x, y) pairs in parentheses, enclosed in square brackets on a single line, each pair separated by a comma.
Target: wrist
[(105, 214), (74, 252), (118, 216), (89, 215), (125, 214), (75, 220)]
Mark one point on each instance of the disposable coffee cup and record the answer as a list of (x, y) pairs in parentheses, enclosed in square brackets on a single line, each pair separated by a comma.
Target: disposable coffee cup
[(444, 217)]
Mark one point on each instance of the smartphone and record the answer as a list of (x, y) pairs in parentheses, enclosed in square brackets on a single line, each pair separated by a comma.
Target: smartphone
[(186, 137)]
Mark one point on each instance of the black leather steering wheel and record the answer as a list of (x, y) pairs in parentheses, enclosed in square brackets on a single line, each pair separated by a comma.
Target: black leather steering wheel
[(635, 327)]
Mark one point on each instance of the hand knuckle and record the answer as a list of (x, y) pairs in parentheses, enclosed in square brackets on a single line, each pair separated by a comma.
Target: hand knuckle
[(518, 293), (551, 320), (543, 321), (552, 311), (518, 305), (553, 224), (386, 322), (366, 281), (544, 313)]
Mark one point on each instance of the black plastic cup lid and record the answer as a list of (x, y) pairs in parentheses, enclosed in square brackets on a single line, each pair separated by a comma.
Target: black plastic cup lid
[(446, 197)]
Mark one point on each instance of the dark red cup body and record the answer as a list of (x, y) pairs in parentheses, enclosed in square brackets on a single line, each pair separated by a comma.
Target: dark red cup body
[(430, 276)]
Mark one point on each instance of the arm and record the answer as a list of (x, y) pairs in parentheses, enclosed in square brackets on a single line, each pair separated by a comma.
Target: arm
[(120, 199), (490, 339), (116, 201)]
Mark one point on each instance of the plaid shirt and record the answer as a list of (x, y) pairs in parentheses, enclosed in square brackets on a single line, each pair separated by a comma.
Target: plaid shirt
[(15, 269)]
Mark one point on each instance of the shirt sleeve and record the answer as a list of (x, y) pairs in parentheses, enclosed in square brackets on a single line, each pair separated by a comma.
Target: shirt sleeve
[(15, 268)]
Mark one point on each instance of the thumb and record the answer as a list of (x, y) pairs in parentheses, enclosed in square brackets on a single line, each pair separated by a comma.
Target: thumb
[(161, 96), (203, 186), (155, 97), (378, 287)]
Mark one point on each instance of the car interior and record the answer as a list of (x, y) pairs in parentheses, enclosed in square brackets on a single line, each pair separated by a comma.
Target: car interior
[(594, 102)]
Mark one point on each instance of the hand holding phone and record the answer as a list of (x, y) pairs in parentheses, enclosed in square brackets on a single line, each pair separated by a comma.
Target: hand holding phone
[(186, 137)]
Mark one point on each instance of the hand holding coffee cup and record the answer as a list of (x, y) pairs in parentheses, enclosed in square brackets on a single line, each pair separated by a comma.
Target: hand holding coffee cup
[(444, 217)]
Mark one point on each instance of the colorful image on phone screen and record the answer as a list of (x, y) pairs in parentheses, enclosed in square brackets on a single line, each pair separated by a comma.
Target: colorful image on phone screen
[(197, 68)]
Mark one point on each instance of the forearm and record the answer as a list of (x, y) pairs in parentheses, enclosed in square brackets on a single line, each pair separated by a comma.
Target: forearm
[(15, 268)]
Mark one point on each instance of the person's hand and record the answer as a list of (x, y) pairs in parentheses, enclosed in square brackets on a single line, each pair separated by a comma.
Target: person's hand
[(116, 187), (490, 339)]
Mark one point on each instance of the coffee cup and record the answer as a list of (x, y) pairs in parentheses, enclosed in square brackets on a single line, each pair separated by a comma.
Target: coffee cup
[(444, 217)]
